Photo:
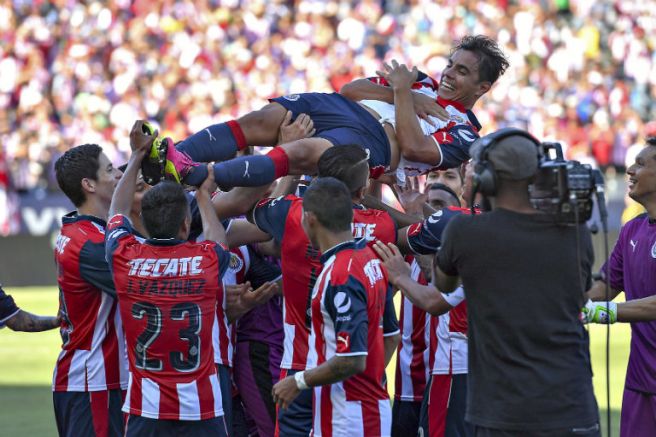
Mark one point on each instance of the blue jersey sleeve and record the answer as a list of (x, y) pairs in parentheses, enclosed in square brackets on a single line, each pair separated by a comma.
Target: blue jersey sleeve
[(347, 306), (390, 321), (260, 270), (8, 308), (95, 269), (118, 228), (454, 142), (425, 238), (223, 255), (270, 215)]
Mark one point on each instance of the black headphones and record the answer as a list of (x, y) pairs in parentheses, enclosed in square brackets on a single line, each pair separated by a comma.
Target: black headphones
[(485, 178)]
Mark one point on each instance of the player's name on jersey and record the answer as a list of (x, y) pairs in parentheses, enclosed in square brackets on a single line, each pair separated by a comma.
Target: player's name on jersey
[(165, 267), (166, 287)]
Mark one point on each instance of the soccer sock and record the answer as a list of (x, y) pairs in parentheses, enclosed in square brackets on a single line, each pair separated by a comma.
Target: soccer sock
[(214, 143), (244, 171)]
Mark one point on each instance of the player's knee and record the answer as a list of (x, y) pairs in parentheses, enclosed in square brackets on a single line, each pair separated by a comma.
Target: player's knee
[(301, 156)]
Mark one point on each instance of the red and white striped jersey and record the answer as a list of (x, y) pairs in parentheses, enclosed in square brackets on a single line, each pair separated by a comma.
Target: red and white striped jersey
[(413, 352), (348, 303), (449, 341), (281, 218), (223, 333), (168, 292), (93, 347), (452, 137)]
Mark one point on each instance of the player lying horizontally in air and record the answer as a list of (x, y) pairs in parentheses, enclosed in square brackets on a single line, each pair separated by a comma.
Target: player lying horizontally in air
[(391, 135)]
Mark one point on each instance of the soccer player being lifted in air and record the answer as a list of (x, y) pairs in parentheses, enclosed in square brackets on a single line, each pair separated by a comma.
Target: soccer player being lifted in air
[(378, 113)]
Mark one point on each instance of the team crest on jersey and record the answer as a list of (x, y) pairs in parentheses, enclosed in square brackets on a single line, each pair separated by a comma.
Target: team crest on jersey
[(292, 97), (236, 263), (653, 251)]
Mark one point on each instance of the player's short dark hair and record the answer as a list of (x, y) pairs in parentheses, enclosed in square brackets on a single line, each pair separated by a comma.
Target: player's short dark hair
[(492, 61), (76, 164), (163, 209), (651, 141), (330, 200), (347, 163)]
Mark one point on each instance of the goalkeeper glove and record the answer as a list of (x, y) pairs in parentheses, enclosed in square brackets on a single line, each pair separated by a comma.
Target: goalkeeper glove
[(599, 312)]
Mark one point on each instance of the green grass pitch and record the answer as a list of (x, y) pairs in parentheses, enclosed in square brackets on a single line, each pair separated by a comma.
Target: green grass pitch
[(27, 360)]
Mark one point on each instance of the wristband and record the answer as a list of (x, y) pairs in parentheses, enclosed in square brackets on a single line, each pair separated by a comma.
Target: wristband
[(300, 381), (454, 298)]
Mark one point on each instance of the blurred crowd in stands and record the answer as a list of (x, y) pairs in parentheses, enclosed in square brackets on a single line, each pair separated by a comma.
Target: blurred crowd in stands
[(582, 72)]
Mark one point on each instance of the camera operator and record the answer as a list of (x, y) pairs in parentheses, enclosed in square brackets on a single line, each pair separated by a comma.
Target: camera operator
[(525, 276)]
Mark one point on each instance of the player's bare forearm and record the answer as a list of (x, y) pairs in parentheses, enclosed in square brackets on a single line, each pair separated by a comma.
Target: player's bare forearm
[(444, 282), (598, 292), (28, 322), (424, 297), (390, 343), (364, 89), (413, 144), (336, 369), (639, 310), (400, 218), (212, 227), (124, 192), (286, 185), (238, 201), (243, 232)]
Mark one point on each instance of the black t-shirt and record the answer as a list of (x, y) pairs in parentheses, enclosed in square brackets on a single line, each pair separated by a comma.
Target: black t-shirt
[(529, 361)]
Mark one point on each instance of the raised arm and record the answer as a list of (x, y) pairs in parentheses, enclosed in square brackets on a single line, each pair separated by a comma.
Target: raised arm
[(140, 143), (367, 89), (377, 88), (212, 227), (413, 144)]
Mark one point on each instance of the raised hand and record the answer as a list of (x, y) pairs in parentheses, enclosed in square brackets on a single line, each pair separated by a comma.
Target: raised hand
[(426, 106), (209, 186), (393, 261), (139, 139), (411, 199), (398, 75), (302, 127)]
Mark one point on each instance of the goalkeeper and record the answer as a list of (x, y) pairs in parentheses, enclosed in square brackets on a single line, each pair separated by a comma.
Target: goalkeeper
[(632, 268)]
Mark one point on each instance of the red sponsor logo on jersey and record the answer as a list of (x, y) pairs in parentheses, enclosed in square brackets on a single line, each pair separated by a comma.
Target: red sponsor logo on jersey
[(376, 172), (263, 202), (343, 342), (414, 229), (115, 221)]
